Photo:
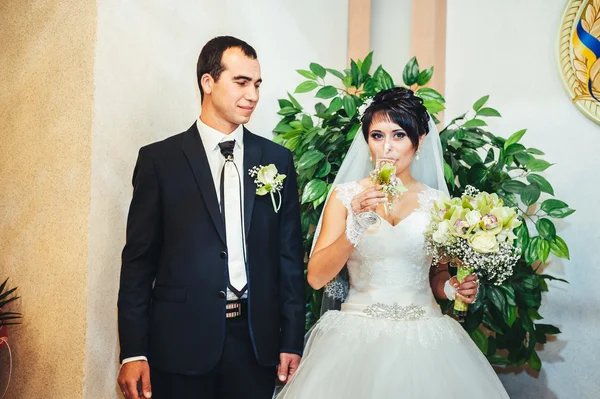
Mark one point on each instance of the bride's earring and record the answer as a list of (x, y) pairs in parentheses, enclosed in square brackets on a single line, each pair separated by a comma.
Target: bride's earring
[(417, 155), (371, 159)]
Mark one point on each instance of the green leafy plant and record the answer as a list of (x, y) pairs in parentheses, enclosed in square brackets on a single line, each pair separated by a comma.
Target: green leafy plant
[(503, 322), (6, 297)]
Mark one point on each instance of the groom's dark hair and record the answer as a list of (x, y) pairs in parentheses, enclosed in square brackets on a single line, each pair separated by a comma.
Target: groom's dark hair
[(211, 55)]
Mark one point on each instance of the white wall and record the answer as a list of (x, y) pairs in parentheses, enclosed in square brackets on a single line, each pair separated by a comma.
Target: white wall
[(507, 49), (390, 35), (146, 90)]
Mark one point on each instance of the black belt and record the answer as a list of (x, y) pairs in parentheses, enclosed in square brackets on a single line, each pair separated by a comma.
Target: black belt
[(235, 309)]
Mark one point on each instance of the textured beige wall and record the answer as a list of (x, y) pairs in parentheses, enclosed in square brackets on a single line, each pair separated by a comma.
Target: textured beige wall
[(46, 102)]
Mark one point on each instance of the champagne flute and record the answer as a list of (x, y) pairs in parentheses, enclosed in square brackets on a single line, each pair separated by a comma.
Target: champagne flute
[(382, 174)]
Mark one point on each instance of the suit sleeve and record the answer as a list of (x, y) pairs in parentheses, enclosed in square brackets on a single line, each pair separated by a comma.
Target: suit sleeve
[(292, 307), (139, 259)]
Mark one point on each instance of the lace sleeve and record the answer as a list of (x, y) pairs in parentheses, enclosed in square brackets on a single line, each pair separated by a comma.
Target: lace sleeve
[(345, 192), (337, 289)]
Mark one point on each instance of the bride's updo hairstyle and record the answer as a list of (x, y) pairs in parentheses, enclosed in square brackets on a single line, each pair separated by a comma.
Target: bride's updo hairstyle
[(398, 105)]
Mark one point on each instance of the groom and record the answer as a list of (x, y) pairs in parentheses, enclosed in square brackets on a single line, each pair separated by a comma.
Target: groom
[(211, 294)]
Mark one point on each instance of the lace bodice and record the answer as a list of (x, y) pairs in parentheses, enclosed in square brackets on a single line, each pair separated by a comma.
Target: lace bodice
[(390, 264)]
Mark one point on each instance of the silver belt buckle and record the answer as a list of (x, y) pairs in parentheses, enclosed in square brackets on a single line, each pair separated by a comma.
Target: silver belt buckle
[(233, 309)]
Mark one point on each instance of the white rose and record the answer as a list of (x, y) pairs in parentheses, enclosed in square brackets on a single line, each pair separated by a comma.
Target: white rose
[(442, 233), (484, 242)]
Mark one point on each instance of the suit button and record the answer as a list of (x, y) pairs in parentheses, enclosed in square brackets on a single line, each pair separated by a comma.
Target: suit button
[(222, 294), (223, 255)]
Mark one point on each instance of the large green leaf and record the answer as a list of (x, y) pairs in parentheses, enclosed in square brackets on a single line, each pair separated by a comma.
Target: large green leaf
[(535, 151), (313, 190), (490, 157), (366, 65), (326, 92), (543, 249), (425, 76), (514, 149), (531, 252), (522, 233), (335, 105), (478, 173), (559, 248), (488, 112), (352, 132), (552, 204), (561, 213), (470, 157), (324, 170), (318, 70), (523, 158), (285, 103), (350, 106), (335, 73), (385, 80), (513, 186), (309, 159), (530, 194), (514, 138), (433, 106), (449, 174), (307, 74), (479, 103), (480, 340), (496, 297), (288, 111), (542, 182), (282, 127), (347, 81), (474, 123), (427, 93), (546, 229), (556, 208), (538, 165), (411, 72), (307, 86), (294, 102), (307, 122), (355, 73)]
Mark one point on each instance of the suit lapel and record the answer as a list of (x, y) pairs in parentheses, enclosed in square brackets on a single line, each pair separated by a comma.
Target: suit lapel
[(193, 149), (252, 155)]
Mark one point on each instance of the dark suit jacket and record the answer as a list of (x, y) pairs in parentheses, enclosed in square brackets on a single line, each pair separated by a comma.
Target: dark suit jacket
[(174, 264)]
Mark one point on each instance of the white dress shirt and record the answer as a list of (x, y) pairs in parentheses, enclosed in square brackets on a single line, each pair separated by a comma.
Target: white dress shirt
[(210, 140)]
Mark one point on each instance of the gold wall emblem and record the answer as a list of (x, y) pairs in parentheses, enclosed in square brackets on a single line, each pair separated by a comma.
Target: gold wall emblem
[(579, 55)]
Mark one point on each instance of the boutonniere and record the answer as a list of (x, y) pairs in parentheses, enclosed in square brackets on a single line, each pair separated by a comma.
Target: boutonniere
[(268, 181)]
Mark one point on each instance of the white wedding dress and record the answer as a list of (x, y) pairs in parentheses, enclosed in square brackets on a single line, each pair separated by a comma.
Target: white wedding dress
[(390, 339)]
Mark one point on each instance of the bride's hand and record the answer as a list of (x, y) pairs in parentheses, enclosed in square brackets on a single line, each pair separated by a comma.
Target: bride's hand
[(468, 289), (368, 200)]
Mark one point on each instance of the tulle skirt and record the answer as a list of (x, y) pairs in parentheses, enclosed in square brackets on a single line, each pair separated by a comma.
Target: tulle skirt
[(349, 356)]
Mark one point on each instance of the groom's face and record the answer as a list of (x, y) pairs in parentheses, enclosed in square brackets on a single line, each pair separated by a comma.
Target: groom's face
[(235, 94)]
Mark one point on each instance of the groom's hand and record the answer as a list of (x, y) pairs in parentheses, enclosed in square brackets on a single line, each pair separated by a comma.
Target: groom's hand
[(288, 364), (131, 373)]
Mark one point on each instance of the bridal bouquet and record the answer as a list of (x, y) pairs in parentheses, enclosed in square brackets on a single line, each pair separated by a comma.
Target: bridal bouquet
[(474, 233)]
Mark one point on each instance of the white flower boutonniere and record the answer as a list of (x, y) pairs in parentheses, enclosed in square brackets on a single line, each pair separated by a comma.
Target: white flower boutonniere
[(268, 181)]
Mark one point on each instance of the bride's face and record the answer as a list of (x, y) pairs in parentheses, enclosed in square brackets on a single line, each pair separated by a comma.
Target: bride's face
[(388, 140)]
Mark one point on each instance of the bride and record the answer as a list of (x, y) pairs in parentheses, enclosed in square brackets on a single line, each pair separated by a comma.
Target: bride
[(390, 339)]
